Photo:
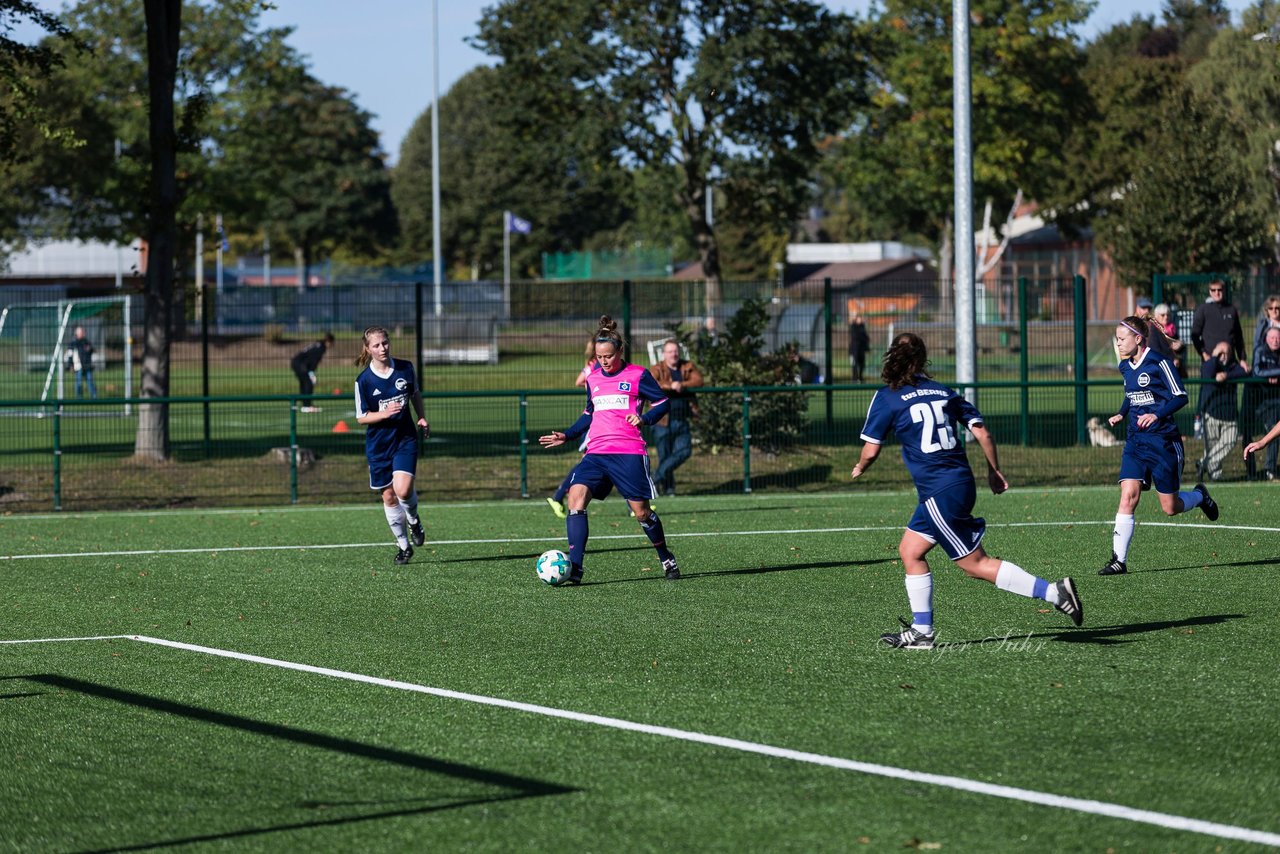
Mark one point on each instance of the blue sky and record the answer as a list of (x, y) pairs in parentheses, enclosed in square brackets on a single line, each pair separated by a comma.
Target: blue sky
[(381, 50)]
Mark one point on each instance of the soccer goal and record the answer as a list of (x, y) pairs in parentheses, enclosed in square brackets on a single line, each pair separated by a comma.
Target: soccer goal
[(34, 338)]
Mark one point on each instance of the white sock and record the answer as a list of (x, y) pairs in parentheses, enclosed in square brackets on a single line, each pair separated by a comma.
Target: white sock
[(395, 519), (1015, 579), (920, 595), (410, 506), (1122, 536)]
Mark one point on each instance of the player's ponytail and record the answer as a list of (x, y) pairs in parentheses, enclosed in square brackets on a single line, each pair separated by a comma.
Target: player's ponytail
[(905, 360), (607, 332), (365, 356)]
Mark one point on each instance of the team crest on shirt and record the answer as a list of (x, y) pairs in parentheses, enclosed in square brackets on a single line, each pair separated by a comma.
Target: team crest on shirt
[(1144, 380), (401, 384), (624, 386)]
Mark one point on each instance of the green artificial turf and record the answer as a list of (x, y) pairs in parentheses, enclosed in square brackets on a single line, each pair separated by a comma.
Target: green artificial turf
[(1165, 699)]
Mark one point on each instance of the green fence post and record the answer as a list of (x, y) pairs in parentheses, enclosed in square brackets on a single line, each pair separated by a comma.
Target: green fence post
[(1082, 364), (626, 318), (204, 370), (1024, 365), (746, 440), (293, 451), (417, 330), (524, 446), (57, 458), (826, 343), (1157, 288)]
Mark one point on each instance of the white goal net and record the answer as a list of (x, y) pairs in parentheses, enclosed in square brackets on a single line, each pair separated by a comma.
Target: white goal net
[(36, 342)]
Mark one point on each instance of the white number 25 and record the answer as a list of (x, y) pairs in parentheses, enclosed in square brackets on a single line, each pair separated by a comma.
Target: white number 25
[(935, 421)]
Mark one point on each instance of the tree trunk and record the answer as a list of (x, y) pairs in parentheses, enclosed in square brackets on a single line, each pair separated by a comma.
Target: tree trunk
[(164, 18), (946, 275)]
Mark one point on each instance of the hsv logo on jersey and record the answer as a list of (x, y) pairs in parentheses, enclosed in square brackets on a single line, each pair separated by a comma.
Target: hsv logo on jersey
[(624, 386)]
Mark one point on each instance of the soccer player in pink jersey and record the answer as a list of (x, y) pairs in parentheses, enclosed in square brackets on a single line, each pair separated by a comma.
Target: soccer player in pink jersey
[(616, 458)]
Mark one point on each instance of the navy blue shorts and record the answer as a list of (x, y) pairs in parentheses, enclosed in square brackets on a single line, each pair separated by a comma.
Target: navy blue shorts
[(947, 520), (403, 457), (1154, 460), (602, 473)]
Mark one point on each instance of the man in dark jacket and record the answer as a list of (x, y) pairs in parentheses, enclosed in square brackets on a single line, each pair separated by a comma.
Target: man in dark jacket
[(304, 364), (1218, 320), (859, 344)]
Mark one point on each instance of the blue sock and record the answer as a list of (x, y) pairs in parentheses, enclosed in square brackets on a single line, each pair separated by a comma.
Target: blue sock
[(1190, 499), (576, 527), (652, 528)]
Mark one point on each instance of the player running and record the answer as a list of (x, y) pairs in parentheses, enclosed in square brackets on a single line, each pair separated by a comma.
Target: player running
[(924, 414), (1153, 448), (616, 458), (383, 390)]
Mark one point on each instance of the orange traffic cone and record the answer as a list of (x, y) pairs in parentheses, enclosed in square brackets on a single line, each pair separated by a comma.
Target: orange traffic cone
[(341, 427)]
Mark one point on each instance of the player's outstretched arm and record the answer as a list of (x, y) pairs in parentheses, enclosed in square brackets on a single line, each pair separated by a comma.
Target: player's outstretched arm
[(870, 452), (1263, 442), (995, 478)]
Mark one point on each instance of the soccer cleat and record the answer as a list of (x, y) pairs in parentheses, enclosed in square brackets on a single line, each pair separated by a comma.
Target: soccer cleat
[(1069, 601), (908, 638), (403, 555), (1115, 566), (575, 575), (415, 531), (671, 570), (1207, 504), (557, 508)]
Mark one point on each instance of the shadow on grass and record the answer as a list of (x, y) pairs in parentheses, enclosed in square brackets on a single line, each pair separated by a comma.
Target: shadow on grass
[(817, 473), (757, 570), (1270, 561), (520, 787), (1104, 636)]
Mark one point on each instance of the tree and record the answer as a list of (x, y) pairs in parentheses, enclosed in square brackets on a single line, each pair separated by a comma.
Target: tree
[(495, 156), (1249, 91), (1189, 205), (1025, 79), (310, 168), (164, 24), (22, 64), (700, 85)]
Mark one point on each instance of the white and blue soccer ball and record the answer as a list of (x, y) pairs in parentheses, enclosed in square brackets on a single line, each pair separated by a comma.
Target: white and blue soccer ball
[(553, 566)]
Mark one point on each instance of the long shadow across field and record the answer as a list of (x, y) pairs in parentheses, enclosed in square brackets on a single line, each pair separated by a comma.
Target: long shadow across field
[(519, 787)]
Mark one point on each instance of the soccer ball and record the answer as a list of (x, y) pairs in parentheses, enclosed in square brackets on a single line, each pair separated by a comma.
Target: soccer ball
[(553, 566)]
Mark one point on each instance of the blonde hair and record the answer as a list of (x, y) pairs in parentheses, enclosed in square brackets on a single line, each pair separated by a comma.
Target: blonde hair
[(365, 356)]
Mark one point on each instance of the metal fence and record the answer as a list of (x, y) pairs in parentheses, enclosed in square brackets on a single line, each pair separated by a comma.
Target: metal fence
[(498, 368)]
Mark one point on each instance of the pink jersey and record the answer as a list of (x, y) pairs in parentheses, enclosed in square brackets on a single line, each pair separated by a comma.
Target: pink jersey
[(610, 399)]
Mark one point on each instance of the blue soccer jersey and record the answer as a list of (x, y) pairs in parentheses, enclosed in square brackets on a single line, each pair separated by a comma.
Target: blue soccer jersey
[(1152, 385), (924, 416), (376, 393)]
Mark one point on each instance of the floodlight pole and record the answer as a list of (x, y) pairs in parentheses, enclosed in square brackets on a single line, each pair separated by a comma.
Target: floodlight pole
[(966, 351), (436, 265)]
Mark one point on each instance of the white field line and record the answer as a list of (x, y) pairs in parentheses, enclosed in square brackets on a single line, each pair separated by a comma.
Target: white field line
[(690, 534), (1048, 799), (65, 640)]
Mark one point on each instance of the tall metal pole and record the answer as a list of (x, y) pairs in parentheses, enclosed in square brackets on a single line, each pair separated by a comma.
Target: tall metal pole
[(506, 265), (966, 333), (436, 265)]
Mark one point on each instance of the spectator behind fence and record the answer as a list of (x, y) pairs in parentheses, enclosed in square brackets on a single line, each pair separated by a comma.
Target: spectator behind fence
[(1157, 336), (859, 344), (672, 434), (1162, 314), (1219, 410), (80, 360), (1216, 320), (304, 364), (1266, 363), (1268, 318)]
